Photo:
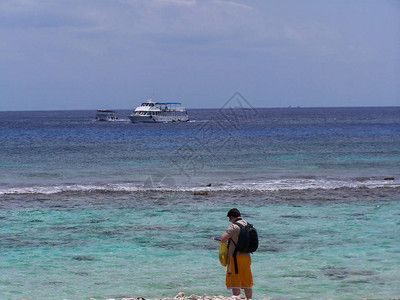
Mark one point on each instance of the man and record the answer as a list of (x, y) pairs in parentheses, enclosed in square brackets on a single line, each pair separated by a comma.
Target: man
[(240, 278)]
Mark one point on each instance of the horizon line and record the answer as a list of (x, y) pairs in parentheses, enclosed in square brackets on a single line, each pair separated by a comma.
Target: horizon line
[(276, 107)]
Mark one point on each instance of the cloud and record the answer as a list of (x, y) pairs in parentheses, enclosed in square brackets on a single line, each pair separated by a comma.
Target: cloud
[(25, 14), (231, 3), (201, 44), (173, 2), (198, 17), (18, 5), (134, 30), (168, 22)]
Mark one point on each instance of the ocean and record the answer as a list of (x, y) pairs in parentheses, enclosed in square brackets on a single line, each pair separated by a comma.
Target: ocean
[(116, 209)]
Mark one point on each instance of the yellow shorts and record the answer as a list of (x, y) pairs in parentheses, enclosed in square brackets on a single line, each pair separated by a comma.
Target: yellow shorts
[(244, 278)]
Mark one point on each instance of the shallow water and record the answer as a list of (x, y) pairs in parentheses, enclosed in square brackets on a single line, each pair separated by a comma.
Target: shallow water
[(91, 209), (117, 245)]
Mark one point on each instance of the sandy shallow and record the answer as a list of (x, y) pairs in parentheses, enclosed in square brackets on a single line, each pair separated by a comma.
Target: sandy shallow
[(181, 296)]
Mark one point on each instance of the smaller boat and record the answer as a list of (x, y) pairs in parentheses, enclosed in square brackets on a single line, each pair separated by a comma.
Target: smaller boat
[(106, 115), (159, 112)]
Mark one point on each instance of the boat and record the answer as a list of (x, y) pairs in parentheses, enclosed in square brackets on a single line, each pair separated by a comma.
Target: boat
[(159, 112), (106, 115)]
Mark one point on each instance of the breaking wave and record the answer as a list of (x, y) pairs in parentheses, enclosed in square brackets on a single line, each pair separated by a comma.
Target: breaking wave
[(265, 186)]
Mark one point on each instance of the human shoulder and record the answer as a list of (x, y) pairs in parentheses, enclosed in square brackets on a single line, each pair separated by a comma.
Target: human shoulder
[(241, 222), (232, 228)]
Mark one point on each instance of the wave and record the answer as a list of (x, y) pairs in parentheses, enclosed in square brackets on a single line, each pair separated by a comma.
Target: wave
[(254, 187)]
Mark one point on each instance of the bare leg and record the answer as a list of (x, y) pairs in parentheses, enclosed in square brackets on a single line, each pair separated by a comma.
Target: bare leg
[(248, 293), (236, 292)]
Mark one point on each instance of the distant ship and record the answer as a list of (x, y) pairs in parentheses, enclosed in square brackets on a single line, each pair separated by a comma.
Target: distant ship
[(159, 112), (106, 115)]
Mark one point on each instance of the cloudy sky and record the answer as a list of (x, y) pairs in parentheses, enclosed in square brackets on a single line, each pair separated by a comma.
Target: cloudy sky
[(77, 54)]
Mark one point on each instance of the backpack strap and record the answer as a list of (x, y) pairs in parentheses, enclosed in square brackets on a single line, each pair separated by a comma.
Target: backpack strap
[(234, 255), (236, 249), (239, 224)]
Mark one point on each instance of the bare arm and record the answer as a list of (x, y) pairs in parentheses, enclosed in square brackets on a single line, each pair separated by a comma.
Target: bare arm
[(224, 238)]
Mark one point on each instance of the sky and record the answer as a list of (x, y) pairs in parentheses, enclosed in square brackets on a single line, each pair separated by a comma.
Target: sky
[(82, 54)]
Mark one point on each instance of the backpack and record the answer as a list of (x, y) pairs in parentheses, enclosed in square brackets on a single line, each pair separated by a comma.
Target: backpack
[(248, 238), (247, 242)]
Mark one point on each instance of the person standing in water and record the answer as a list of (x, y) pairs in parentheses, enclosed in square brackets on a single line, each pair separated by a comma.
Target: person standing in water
[(238, 274)]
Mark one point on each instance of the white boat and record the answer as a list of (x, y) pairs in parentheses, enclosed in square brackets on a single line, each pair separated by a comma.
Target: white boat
[(106, 115), (159, 112)]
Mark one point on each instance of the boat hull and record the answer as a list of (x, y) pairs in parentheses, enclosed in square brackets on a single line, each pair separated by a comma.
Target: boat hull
[(106, 115), (105, 119), (158, 119)]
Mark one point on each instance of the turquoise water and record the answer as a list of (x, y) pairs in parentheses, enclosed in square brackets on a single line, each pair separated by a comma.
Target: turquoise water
[(124, 245), (109, 210)]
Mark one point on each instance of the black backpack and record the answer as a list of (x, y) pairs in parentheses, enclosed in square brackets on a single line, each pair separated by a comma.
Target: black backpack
[(247, 242)]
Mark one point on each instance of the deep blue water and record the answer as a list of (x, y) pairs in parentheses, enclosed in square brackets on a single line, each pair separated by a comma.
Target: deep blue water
[(51, 149), (102, 209)]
